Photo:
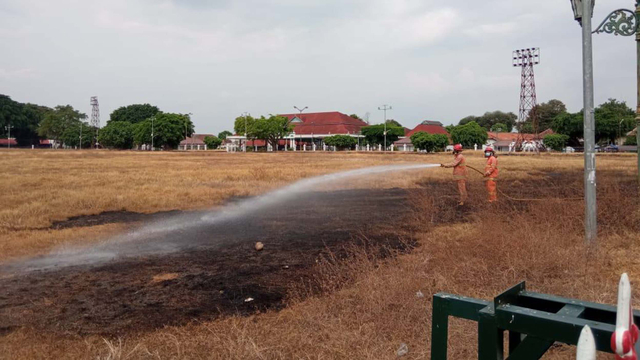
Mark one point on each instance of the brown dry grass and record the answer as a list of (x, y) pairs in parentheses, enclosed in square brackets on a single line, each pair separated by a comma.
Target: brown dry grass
[(369, 305)]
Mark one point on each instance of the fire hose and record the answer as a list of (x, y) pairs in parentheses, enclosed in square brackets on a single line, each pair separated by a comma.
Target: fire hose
[(515, 199)]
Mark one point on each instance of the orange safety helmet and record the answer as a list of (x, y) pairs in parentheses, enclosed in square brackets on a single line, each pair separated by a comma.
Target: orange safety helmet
[(457, 147)]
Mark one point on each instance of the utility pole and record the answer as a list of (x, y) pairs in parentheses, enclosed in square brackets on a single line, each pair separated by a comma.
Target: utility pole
[(152, 119), (185, 132), (80, 145), (638, 88), (385, 107), (8, 128), (583, 11)]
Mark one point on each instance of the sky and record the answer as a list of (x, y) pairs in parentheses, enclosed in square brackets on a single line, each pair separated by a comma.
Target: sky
[(428, 59)]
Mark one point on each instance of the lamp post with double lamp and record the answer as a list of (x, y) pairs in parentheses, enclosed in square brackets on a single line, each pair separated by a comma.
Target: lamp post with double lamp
[(385, 108), (300, 110), (245, 114)]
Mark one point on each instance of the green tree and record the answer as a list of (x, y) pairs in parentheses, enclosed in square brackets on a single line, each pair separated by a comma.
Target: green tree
[(355, 117), (245, 125), (556, 142), (613, 120), (429, 142), (168, 130), (23, 119), (469, 134), (499, 127), (26, 133), (449, 128), (374, 134), (56, 121), (467, 119), (570, 124), (76, 132), (223, 135), (546, 113), (271, 129), (117, 135), (392, 122), (631, 140), (341, 141), (134, 113), (527, 128), (491, 118), (212, 142)]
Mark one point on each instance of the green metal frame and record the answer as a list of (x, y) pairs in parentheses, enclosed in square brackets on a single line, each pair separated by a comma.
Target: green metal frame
[(534, 322)]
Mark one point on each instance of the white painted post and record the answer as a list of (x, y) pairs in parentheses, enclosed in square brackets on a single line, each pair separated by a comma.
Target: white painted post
[(379, 147), (404, 147)]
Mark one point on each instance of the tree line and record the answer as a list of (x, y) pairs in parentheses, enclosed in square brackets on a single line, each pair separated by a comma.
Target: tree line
[(613, 118), (128, 126)]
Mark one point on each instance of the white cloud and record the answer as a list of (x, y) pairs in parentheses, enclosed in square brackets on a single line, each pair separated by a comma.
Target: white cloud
[(433, 58)]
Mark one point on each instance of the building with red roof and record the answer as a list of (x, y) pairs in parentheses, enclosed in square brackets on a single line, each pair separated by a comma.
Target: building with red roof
[(8, 142), (506, 141), (309, 129), (194, 142), (427, 126)]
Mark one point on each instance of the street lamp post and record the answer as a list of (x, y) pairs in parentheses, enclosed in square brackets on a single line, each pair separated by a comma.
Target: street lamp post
[(186, 125), (245, 114), (152, 119), (583, 11), (385, 108), (622, 22), (8, 128), (301, 110)]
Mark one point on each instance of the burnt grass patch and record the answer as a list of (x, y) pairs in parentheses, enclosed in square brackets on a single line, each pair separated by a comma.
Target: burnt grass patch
[(222, 274)]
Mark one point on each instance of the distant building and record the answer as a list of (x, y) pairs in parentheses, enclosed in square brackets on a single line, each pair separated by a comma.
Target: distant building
[(8, 142), (505, 141), (194, 142), (427, 126), (309, 130)]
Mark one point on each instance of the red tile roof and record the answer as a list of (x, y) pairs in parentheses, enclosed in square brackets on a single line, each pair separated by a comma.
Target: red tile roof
[(326, 123), (5, 142), (430, 129), (195, 139), (261, 143)]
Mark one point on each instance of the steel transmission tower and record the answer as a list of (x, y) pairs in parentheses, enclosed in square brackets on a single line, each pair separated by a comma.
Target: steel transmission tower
[(95, 117), (526, 59)]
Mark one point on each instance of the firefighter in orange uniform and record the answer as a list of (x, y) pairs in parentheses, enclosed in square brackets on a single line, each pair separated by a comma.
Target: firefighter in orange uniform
[(459, 172), (491, 173)]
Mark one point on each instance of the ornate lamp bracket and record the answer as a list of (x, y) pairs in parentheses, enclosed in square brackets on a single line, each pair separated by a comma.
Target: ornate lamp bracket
[(620, 22)]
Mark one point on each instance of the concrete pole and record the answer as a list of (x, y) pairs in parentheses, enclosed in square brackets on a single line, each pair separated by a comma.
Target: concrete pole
[(638, 79), (590, 223)]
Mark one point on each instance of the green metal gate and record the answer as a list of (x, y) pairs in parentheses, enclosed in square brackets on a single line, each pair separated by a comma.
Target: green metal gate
[(534, 322)]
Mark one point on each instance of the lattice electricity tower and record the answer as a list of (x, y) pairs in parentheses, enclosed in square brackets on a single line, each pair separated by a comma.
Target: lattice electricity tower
[(95, 117), (526, 59)]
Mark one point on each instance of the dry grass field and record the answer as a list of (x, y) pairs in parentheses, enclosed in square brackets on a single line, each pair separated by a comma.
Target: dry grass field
[(363, 308)]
